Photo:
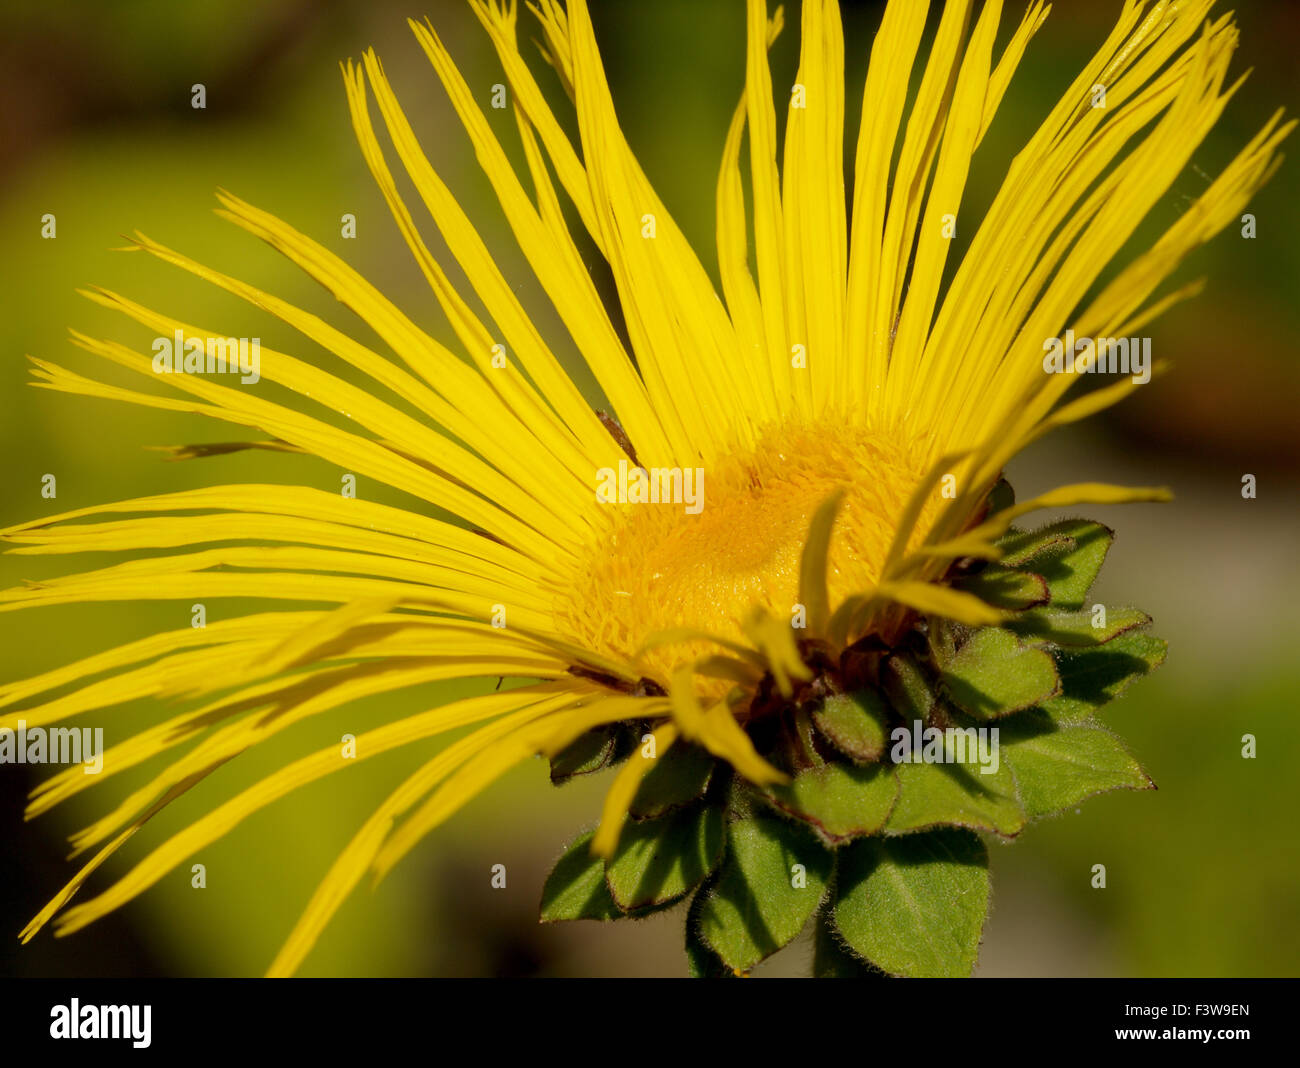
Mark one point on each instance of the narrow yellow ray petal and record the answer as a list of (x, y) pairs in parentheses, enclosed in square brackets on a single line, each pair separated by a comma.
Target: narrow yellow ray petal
[(1091, 403), (774, 638), (707, 333), (942, 601), (915, 503), (1034, 208), (704, 322), (765, 181), (1066, 497), (478, 763), (623, 789), (657, 319), (173, 531), (273, 585), (943, 207), (349, 451), (428, 359), (685, 705), (813, 592), (733, 261), (1034, 17), (679, 635), (458, 421), (423, 578), (883, 97), (730, 668), (571, 291), (360, 406), (352, 864), (217, 632), (976, 548), (500, 25), (222, 819), (817, 250), (847, 617), (306, 502), (304, 693), (572, 415), (273, 708), (1154, 166), (716, 729), (920, 143), (374, 844), (722, 736), (51, 909), (342, 877), (301, 646), (161, 677)]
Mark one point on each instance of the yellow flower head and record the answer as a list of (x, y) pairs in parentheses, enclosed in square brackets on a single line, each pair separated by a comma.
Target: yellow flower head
[(771, 475)]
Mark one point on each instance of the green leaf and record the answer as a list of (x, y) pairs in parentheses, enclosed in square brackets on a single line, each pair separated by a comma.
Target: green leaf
[(855, 724), (906, 687), (833, 960), (773, 879), (956, 795), (1091, 678), (589, 752), (575, 889), (1070, 566), (1005, 587), (915, 906), (840, 801), (679, 777), (1056, 768), (995, 674), (658, 861), (1075, 629), (1020, 547), (701, 961)]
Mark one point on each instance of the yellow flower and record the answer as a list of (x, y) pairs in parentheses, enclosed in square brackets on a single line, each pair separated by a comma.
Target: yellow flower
[(840, 416)]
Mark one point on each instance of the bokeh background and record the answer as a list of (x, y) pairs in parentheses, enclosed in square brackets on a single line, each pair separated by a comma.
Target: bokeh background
[(96, 127)]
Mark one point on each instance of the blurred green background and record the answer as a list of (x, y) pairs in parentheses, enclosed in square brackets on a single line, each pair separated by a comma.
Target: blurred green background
[(96, 127)]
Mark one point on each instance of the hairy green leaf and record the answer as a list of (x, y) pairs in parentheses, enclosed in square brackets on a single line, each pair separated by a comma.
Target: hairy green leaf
[(575, 889), (1091, 678), (840, 801), (855, 724), (701, 961), (1070, 559), (906, 687), (659, 860), (995, 674), (915, 906), (1058, 767), (1076, 629), (832, 959), (938, 795), (589, 752), (679, 777), (772, 880), (1021, 547), (1005, 587)]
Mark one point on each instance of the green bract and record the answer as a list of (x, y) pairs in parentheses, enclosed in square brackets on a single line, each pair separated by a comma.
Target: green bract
[(899, 759)]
